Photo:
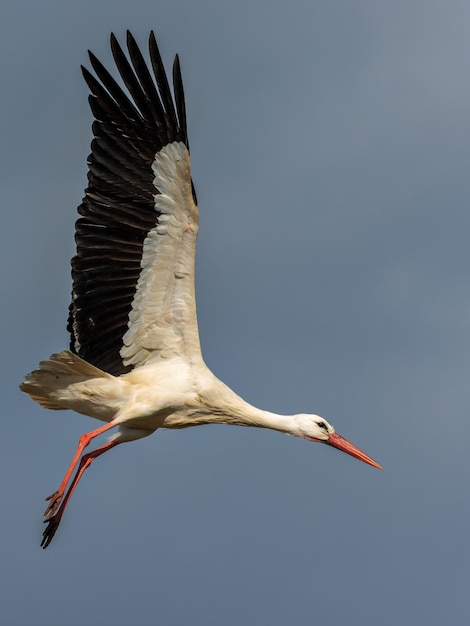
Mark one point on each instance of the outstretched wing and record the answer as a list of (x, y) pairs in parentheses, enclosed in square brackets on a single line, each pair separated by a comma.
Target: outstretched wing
[(133, 273)]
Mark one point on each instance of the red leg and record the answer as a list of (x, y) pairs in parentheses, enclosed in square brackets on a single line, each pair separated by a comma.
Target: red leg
[(85, 461), (56, 497)]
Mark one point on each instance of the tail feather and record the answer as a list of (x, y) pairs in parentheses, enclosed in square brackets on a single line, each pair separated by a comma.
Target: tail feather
[(54, 374)]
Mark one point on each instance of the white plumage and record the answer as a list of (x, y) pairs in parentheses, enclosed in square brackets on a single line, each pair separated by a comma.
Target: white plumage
[(135, 361)]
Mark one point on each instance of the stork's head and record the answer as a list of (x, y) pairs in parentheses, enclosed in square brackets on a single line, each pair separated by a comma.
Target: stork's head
[(316, 428)]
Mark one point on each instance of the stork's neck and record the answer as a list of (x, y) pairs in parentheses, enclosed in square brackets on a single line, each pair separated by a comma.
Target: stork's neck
[(252, 416), (226, 407)]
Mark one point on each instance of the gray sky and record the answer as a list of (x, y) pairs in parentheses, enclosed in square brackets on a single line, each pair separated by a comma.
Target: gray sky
[(330, 145)]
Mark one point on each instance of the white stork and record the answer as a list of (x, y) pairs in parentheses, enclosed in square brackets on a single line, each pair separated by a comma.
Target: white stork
[(135, 361)]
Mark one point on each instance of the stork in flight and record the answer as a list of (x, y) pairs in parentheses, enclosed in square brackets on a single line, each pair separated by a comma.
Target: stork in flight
[(135, 360)]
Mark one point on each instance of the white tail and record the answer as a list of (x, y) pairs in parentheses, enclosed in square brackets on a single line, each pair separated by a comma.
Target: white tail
[(55, 374)]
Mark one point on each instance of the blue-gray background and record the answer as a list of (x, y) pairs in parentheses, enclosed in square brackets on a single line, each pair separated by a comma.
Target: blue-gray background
[(331, 149)]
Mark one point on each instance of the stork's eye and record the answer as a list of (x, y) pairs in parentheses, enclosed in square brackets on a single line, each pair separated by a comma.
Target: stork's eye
[(322, 425)]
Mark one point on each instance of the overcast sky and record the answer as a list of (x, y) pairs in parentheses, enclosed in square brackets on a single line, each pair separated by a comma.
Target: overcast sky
[(331, 149)]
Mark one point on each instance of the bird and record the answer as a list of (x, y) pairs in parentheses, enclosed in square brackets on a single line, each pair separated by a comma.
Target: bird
[(134, 361)]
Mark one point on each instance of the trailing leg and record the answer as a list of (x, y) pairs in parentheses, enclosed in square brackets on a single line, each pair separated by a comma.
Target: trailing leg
[(56, 497), (86, 460)]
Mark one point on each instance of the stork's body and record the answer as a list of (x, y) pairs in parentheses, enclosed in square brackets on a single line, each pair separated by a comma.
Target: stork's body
[(135, 361)]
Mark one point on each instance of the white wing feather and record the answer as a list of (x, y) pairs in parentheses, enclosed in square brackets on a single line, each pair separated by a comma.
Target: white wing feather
[(162, 322)]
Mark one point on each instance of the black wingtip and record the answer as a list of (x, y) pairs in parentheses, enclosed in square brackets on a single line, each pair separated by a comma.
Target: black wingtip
[(130, 39)]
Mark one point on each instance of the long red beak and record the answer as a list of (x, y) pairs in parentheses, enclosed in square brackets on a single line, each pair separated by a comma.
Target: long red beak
[(343, 444)]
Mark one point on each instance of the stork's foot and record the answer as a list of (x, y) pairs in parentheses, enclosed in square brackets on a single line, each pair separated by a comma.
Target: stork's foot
[(52, 525), (55, 500)]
